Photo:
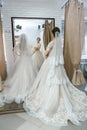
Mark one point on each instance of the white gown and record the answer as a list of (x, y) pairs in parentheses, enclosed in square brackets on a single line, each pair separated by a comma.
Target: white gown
[(19, 83), (37, 56), (53, 99)]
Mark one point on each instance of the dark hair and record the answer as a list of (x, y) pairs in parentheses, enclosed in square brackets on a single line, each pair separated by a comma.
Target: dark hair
[(38, 38), (56, 29)]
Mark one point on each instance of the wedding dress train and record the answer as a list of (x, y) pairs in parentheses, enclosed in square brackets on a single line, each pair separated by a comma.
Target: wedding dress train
[(53, 99)]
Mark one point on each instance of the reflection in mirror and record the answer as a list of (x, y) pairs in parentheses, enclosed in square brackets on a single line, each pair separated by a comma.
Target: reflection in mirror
[(33, 28)]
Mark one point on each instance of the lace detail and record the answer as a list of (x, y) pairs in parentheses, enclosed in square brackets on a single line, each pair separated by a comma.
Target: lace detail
[(52, 78), (60, 118)]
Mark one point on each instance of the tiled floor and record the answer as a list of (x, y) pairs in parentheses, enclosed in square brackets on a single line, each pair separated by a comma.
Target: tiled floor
[(22, 121)]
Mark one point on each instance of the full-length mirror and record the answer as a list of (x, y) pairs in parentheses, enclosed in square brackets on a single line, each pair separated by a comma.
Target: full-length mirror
[(35, 29)]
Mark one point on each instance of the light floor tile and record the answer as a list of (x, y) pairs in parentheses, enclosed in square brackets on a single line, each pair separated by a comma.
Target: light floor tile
[(29, 118), (48, 127), (84, 125), (34, 120), (71, 127), (28, 126), (10, 122), (40, 129), (23, 115)]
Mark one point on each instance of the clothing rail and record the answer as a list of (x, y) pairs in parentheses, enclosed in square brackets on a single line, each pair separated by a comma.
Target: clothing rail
[(65, 4)]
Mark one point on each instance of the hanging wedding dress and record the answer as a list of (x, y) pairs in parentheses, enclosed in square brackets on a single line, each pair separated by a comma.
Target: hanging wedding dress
[(37, 56), (53, 99), (18, 84)]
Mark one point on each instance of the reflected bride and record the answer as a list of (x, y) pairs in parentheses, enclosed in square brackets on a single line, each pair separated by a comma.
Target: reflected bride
[(37, 55), (18, 84)]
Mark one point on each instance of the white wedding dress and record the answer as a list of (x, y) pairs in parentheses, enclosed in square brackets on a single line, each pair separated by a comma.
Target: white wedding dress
[(22, 76), (37, 56), (53, 99)]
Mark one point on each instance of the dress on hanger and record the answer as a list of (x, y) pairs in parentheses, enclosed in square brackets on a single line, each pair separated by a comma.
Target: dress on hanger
[(53, 99)]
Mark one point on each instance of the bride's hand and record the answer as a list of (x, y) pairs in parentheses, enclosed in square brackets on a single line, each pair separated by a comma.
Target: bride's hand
[(46, 54), (36, 48)]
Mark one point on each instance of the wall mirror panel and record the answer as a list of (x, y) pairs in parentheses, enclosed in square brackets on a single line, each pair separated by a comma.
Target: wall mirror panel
[(32, 27)]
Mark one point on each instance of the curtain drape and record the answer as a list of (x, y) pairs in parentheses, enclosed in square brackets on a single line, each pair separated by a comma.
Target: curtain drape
[(67, 60), (2, 56), (74, 35), (47, 35)]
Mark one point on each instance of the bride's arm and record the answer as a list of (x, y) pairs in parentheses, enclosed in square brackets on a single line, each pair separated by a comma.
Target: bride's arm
[(48, 49)]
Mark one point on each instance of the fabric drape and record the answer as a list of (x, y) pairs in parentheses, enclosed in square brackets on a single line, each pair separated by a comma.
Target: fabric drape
[(2, 57), (47, 35), (67, 61), (73, 41)]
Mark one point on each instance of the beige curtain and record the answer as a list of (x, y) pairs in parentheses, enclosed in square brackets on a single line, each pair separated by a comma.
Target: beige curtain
[(47, 35), (73, 38), (68, 65), (2, 56)]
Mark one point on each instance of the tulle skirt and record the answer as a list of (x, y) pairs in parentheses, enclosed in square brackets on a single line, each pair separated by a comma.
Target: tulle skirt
[(19, 83)]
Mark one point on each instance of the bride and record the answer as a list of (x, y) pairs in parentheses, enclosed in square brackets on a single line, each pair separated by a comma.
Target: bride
[(18, 84), (53, 99), (37, 55)]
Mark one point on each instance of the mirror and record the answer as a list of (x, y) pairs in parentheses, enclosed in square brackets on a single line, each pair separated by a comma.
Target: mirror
[(33, 28)]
